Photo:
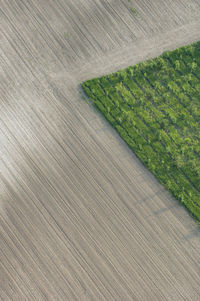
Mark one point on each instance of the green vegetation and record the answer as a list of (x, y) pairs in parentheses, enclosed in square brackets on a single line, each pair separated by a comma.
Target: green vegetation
[(155, 107), (134, 11), (66, 36)]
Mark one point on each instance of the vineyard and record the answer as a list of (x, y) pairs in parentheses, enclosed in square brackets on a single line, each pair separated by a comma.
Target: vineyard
[(155, 107)]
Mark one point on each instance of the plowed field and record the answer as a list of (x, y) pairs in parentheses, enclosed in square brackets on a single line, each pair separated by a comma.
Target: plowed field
[(80, 217)]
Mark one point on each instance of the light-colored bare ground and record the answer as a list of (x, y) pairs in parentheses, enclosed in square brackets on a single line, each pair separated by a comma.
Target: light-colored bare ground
[(80, 217)]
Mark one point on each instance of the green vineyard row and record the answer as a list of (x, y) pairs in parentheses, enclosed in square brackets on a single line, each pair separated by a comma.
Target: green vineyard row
[(155, 107)]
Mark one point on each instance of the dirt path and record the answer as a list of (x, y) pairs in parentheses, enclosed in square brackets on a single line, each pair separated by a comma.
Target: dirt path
[(80, 217)]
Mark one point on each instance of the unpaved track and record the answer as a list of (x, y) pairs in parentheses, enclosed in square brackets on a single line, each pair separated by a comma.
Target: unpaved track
[(80, 217)]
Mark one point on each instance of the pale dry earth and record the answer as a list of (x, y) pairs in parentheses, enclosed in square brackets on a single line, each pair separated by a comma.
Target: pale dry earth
[(80, 217)]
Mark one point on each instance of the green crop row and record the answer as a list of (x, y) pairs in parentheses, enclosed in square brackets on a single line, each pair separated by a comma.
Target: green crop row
[(155, 107)]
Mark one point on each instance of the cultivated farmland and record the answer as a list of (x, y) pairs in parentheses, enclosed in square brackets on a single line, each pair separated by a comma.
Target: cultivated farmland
[(80, 217), (155, 107)]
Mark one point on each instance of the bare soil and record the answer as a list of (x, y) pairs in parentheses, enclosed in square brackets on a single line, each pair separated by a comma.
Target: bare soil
[(80, 217)]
